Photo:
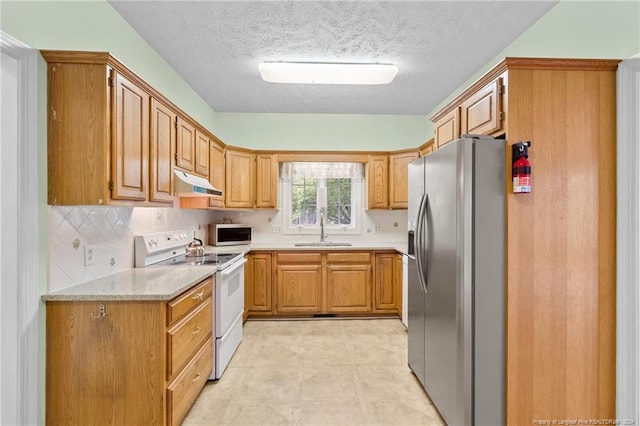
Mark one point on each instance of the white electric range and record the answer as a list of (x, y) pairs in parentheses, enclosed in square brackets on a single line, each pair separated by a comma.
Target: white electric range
[(167, 248)]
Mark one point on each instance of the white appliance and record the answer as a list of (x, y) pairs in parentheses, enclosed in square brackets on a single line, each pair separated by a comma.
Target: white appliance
[(456, 279), (167, 248)]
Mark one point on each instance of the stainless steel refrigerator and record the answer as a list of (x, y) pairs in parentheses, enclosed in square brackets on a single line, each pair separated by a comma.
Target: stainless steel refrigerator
[(456, 285)]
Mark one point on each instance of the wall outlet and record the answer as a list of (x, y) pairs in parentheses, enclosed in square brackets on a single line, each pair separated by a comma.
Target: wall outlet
[(89, 255), (376, 229), (276, 229)]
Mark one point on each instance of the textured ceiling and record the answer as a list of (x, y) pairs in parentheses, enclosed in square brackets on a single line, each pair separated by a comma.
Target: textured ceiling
[(216, 47)]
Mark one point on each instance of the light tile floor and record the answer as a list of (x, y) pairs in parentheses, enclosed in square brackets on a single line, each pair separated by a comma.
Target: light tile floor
[(318, 372)]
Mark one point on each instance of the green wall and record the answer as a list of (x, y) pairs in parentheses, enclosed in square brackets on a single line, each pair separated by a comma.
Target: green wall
[(96, 26), (573, 29), (333, 132)]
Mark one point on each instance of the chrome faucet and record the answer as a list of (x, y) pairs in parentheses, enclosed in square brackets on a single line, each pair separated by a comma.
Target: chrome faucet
[(322, 236)]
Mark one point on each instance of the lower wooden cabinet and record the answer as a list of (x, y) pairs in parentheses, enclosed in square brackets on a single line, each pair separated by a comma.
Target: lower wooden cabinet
[(258, 290), (127, 362), (304, 283)]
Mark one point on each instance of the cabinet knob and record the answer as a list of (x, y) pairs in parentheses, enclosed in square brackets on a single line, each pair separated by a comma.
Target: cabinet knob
[(196, 331), (199, 296), (196, 378)]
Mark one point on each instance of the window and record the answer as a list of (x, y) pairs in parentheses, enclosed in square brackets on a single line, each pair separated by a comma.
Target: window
[(332, 191)]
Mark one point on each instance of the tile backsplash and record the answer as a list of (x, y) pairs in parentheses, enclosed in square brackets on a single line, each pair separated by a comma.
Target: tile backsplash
[(107, 232)]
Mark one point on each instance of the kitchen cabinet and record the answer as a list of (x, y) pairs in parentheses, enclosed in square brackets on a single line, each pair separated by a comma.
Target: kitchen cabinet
[(192, 148), (258, 285), (202, 154), (266, 181), (567, 109), (377, 172), (161, 151), (125, 361), (481, 113), (299, 281), (348, 282), (447, 128), (240, 178), (398, 178), (427, 148), (217, 175), (388, 283)]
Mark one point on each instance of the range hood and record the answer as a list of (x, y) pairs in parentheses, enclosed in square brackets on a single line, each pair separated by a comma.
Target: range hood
[(188, 185)]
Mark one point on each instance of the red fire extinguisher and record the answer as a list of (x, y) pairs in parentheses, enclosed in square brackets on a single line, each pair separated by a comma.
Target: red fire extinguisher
[(521, 167)]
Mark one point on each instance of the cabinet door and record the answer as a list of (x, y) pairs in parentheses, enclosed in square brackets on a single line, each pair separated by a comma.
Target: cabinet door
[(427, 148), (217, 172), (386, 297), (258, 284), (349, 288), (481, 114), (185, 145), (240, 178), (266, 181), (202, 154), (163, 137), (447, 129), (377, 182), (398, 179), (299, 289), (130, 158)]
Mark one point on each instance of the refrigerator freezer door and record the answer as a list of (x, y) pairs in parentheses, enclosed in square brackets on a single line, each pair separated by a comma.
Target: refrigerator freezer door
[(443, 298), (415, 326)]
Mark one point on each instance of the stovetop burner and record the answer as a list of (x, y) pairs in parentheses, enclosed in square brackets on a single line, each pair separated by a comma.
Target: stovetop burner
[(207, 259)]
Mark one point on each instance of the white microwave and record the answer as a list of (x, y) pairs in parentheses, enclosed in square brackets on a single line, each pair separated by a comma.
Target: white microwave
[(229, 234)]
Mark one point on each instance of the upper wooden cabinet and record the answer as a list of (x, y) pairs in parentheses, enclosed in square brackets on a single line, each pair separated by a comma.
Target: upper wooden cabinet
[(266, 181), (398, 179), (202, 154), (240, 178), (217, 175), (481, 113), (185, 145), (427, 148), (162, 150), (377, 172), (98, 129), (447, 128)]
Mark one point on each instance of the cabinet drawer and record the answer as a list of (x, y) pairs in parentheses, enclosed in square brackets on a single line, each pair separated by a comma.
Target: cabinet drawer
[(186, 387), (187, 336), (348, 257), (299, 258), (188, 300)]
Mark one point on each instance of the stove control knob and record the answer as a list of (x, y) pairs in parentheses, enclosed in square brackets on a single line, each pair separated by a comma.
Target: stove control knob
[(150, 243)]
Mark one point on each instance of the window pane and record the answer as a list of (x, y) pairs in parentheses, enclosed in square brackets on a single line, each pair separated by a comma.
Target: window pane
[(339, 201), (303, 201)]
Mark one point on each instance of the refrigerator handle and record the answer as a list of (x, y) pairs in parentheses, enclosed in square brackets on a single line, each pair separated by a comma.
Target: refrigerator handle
[(419, 242)]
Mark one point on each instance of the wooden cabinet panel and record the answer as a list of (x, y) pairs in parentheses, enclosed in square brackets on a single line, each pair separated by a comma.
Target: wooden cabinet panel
[(399, 179), (217, 172), (240, 178), (258, 285), (299, 289), (447, 129), (185, 145), (161, 151), (202, 154), (427, 148), (481, 113), (187, 336), (348, 288), (109, 368), (130, 155), (179, 306), (348, 257), (377, 182), (182, 393), (388, 283), (266, 181)]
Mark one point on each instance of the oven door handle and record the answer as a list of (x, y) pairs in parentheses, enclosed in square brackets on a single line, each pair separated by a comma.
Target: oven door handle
[(234, 266)]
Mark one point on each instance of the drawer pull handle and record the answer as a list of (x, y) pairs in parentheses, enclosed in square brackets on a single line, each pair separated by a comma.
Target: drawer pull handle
[(198, 296), (196, 378), (196, 331)]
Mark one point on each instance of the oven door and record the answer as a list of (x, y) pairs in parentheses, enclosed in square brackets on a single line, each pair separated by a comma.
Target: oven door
[(229, 296)]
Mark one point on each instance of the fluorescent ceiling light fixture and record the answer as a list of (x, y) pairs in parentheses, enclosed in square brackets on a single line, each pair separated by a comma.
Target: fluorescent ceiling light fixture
[(327, 73)]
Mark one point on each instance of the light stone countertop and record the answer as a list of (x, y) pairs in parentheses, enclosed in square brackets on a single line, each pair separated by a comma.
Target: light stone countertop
[(166, 282), (157, 283)]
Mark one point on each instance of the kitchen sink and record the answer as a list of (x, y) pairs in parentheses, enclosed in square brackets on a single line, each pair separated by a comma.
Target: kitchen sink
[(323, 244)]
